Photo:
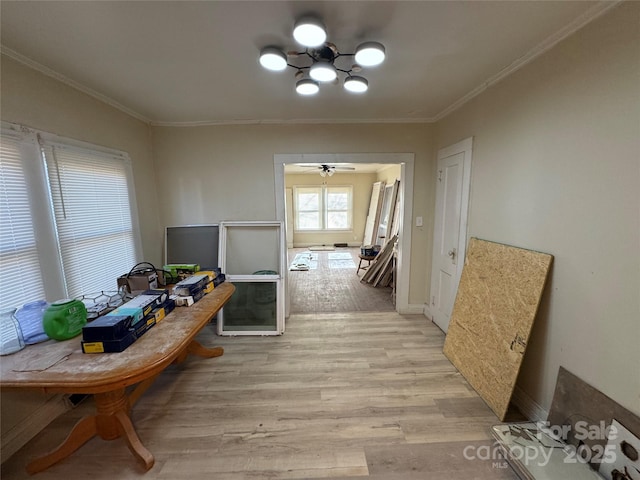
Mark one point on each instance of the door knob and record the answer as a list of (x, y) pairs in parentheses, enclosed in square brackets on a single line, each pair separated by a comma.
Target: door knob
[(452, 253)]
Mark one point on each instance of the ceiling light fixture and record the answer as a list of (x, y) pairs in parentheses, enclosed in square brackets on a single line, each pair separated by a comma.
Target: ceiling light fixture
[(317, 63)]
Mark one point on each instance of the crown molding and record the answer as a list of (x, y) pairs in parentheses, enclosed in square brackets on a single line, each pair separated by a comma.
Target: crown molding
[(307, 121), (72, 83), (588, 16), (591, 14)]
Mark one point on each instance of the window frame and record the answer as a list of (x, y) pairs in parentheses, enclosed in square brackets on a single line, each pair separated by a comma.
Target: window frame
[(323, 209)]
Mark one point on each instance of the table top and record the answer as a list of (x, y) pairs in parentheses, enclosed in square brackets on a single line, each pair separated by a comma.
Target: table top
[(61, 367)]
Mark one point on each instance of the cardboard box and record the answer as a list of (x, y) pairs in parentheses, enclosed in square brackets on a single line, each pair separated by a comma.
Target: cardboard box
[(109, 346), (138, 282), (145, 302), (189, 286), (162, 293), (159, 313), (107, 328), (182, 301), (135, 312), (213, 273), (180, 271)]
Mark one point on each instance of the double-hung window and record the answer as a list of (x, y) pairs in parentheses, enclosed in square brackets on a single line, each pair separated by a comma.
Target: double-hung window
[(69, 224), (323, 208)]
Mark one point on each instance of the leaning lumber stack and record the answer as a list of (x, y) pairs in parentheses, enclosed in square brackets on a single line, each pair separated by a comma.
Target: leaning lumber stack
[(380, 272)]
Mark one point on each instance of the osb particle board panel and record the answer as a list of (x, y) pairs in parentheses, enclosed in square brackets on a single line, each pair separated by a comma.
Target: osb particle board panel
[(498, 296)]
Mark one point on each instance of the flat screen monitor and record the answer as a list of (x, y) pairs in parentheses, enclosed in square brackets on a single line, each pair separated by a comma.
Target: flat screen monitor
[(192, 244)]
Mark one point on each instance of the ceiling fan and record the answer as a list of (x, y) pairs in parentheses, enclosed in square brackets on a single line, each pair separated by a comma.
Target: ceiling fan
[(325, 170)]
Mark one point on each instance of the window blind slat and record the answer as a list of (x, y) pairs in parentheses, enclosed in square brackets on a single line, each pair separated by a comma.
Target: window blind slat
[(20, 272), (91, 205)]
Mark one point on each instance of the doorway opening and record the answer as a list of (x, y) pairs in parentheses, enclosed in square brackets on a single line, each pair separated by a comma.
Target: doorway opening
[(405, 194)]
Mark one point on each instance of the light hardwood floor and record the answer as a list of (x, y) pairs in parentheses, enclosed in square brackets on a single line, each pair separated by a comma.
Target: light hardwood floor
[(341, 395)]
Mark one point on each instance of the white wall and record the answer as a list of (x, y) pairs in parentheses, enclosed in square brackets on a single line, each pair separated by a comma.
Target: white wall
[(389, 174), (32, 99), (556, 169), (213, 173)]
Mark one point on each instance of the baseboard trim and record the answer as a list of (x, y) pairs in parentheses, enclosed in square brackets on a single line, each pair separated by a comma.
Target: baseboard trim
[(427, 312), (528, 406), (412, 309), (307, 245), (18, 436)]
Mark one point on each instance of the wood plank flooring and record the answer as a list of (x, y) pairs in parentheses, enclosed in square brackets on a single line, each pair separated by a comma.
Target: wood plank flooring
[(359, 395), (334, 286)]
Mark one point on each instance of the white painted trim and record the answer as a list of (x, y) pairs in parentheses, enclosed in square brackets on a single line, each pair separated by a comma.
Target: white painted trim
[(71, 83), (406, 161), (547, 44), (527, 406), (18, 436), (412, 309), (427, 312), (296, 121)]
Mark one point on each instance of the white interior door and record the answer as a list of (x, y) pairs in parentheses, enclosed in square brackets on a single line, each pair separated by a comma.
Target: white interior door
[(450, 231)]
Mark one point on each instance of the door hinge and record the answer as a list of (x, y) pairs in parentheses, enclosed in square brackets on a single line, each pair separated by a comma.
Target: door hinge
[(439, 175), (433, 300)]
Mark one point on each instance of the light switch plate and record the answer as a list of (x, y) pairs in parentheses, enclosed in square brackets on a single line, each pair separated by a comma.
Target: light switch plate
[(418, 221)]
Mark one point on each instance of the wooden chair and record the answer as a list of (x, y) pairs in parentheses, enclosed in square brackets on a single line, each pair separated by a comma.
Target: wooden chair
[(366, 258)]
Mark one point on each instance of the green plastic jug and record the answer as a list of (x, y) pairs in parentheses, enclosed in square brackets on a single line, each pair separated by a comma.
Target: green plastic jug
[(64, 319)]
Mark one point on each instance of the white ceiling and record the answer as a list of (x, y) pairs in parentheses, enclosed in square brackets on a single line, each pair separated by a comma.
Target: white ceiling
[(196, 62)]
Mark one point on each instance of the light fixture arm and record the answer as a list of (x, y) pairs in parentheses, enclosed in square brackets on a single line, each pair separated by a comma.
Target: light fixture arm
[(315, 57)]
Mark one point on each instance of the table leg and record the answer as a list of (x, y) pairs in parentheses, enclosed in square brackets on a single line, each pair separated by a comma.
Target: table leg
[(110, 422), (196, 348), (113, 421), (133, 441), (82, 432)]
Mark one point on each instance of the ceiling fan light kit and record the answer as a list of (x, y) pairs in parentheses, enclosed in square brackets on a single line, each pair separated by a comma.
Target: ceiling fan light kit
[(320, 57), (325, 170)]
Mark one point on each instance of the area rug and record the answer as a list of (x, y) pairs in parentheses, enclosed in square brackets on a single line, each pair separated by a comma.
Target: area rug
[(304, 261), (339, 256), (341, 263)]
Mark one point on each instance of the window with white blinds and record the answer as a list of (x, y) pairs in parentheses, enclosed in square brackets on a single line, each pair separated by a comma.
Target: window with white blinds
[(69, 224), (20, 272), (92, 212)]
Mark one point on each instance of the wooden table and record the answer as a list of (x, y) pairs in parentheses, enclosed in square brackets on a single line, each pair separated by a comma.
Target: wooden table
[(61, 367)]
